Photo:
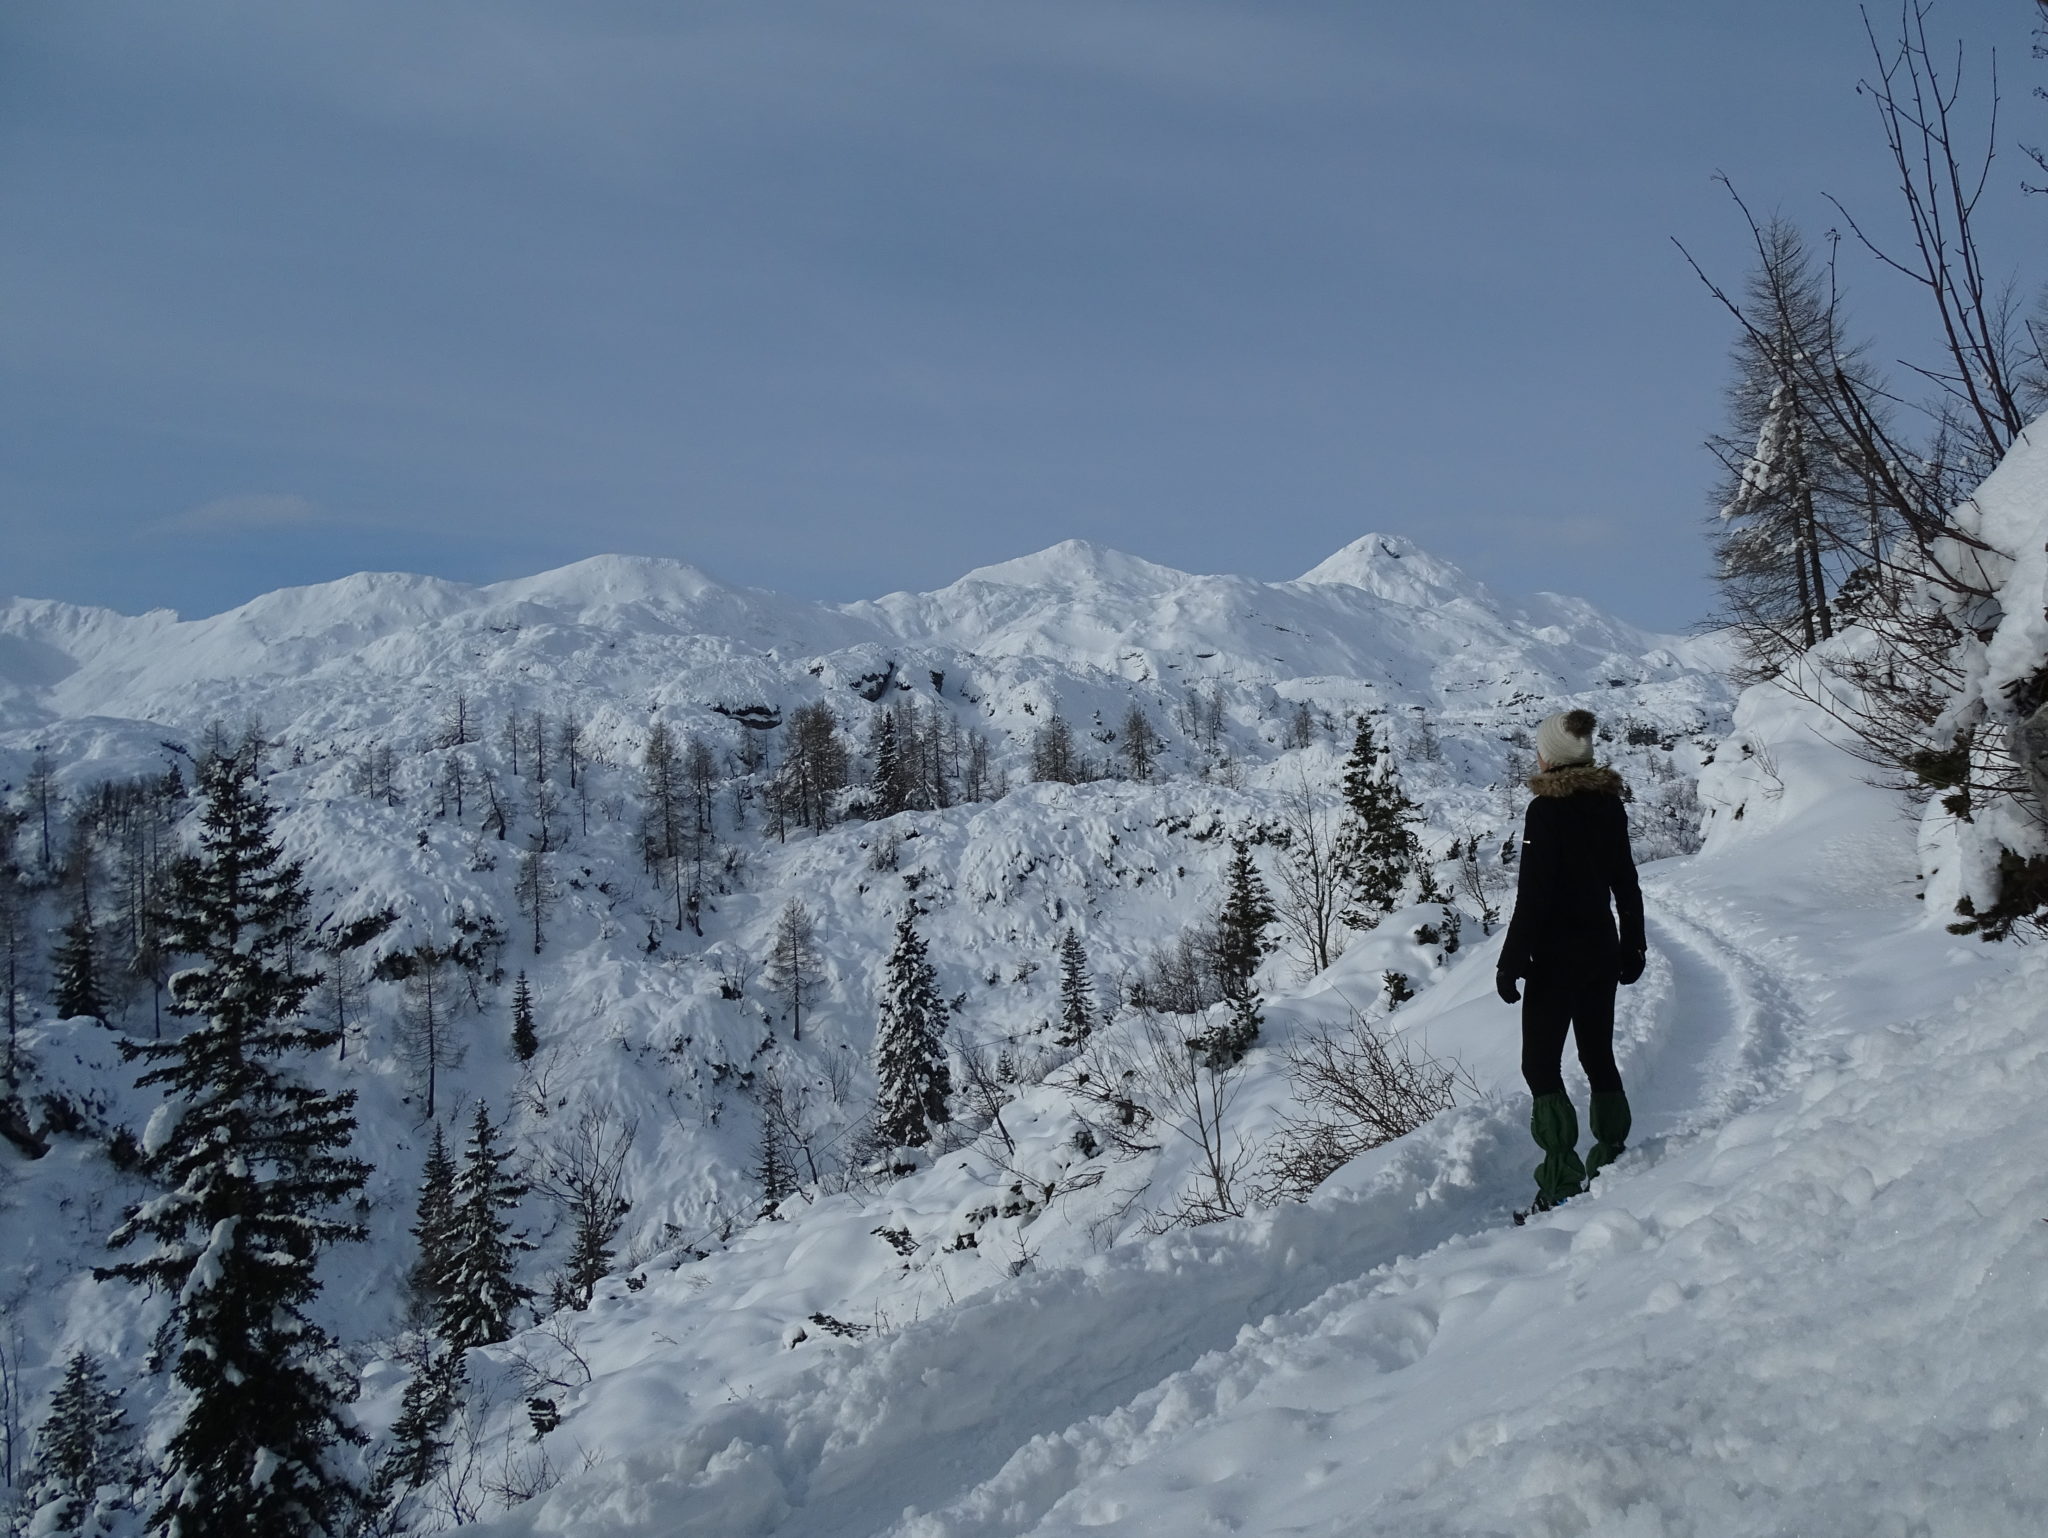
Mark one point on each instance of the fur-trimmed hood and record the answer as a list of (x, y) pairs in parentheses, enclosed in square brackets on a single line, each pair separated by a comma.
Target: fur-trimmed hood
[(1571, 779)]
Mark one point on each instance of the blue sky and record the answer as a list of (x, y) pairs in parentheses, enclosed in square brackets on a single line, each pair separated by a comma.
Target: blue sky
[(840, 297)]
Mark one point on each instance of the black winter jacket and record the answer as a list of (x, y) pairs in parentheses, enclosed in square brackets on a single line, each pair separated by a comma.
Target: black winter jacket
[(1574, 854)]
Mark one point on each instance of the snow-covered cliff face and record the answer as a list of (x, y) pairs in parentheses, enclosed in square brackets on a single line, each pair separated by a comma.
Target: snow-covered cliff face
[(2002, 657), (674, 1031)]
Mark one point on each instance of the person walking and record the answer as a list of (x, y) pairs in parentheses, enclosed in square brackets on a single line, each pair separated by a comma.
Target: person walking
[(1564, 946)]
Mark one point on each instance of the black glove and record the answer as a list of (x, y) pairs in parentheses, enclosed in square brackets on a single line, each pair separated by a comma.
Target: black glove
[(1504, 985), (1631, 966)]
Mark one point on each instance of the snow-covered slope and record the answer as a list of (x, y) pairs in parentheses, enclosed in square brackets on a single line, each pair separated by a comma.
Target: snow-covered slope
[(1380, 610), (1806, 1300), (1380, 615), (673, 1032)]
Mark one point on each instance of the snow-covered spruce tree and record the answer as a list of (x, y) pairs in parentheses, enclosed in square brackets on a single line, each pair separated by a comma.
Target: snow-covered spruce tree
[(911, 1076), (1237, 947), (1077, 993), (419, 1437), (1377, 851), (249, 1162), (1221, 1046), (82, 1447), (525, 1040), (1241, 924), (1916, 579), (891, 787), (433, 1227), (481, 1294), (76, 984), (813, 766)]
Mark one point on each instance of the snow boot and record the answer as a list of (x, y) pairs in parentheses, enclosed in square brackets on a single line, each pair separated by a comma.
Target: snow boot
[(1555, 1126), (1610, 1122)]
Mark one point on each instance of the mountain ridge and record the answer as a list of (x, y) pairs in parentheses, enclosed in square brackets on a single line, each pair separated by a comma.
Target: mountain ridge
[(1380, 606)]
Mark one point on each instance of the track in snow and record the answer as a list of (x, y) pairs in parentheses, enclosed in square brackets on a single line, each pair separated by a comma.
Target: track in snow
[(981, 1421), (1721, 1040), (1710, 1040)]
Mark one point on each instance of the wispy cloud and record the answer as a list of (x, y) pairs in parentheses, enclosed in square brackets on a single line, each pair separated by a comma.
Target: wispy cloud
[(245, 514)]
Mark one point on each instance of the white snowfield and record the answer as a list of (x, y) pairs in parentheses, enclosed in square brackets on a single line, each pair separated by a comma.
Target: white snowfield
[(1807, 1301), (1075, 624), (634, 1013)]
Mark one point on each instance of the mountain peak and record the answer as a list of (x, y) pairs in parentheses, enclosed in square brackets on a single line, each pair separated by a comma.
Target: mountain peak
[(1393, 567), (1078, 563), (610, 580)]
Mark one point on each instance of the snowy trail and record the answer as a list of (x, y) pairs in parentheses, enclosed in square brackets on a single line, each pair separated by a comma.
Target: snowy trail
[(995, 1414), (1709, 1039), (1792, 1307), (1724, 1032), (1689, 1356), (936, 1409)]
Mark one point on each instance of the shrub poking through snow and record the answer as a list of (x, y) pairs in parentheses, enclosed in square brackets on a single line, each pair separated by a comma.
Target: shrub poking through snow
[(1358, 1087)]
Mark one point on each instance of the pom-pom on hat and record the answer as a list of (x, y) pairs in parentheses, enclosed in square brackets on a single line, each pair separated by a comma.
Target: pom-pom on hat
[(1566, 738)]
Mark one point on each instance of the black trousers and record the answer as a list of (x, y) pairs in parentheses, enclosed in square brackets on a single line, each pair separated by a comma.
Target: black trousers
[(1575, 1000)]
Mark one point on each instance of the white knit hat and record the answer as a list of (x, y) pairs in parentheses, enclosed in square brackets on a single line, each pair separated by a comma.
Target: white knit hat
[(1566, 738)]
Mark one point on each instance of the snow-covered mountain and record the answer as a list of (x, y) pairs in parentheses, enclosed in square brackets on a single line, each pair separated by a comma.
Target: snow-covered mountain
[(636, 633), (1251, 688)]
